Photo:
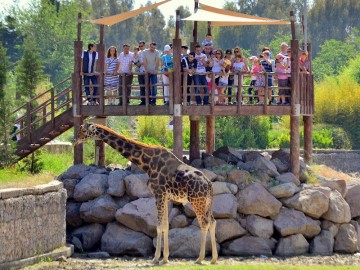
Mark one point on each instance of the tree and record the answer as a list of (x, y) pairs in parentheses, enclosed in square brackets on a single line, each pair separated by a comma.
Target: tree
[(12, 39)]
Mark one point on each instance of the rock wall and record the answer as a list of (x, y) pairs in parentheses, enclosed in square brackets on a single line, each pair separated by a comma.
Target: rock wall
[(260, 207), (32, 221)]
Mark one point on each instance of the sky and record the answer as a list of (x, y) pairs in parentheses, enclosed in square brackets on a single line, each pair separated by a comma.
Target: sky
[(167, 9)]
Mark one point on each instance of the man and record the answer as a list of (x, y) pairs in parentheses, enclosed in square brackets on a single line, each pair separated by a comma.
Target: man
[(140, 68), (189, 64), (151, 58), (88, 66), (200, 79), (184, 50), (284, 48), (268, 64), (125, 70)]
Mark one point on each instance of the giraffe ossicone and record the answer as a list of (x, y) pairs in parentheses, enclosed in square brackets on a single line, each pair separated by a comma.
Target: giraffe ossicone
[(170, 179)]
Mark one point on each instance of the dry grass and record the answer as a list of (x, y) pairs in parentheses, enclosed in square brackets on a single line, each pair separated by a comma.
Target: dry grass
[(328, 173), (13, 179)]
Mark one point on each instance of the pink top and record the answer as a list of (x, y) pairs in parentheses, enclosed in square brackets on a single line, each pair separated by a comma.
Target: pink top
[(281, 72)]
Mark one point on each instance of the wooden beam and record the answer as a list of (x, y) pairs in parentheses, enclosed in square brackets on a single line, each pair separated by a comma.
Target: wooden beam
[(210, 134)]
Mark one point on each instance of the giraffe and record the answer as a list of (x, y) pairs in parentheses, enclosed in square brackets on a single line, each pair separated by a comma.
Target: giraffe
[(169, 180)]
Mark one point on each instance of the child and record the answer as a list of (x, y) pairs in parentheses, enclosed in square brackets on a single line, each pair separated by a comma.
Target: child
[(253, 80), (208, 41), (260, 80), (281, 68), (237, 67), (223, 83)]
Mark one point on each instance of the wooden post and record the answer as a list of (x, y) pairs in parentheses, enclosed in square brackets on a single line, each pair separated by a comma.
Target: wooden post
[(194, 152), (295, 110), (76, 95), (178, 140), (100, 145), (308, 124)]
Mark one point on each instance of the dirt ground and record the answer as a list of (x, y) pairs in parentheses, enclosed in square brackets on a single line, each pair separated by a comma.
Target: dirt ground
[(83, 262)]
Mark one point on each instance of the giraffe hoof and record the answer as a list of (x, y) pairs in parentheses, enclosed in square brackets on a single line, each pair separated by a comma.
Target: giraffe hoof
[(155, 261), (213, 261), (164, 261), (198, 261)]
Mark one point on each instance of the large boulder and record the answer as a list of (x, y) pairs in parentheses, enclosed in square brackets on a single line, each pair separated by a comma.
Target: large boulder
[(339, 210), (73, 218), (312, 202), (288, 178), (346, 240), (238, 177), (78, 171), (117, 183), (119, 240), (224, 188), (185, 242), (91, 187), (180, 221), (282, 154), (262, 164), (140, 215), (330, 226), (292, 245), (227, 229), (323, 244), (285, 190), (136, 186), (250, 156), (256, 200), (247, 246), (228, 154), (259, 226), (290, 221), (100, 210), (89, 235), (336, 184), (353, 198), (209, 174), (224, 206), (280, 166), (211, 162), (69, 185)]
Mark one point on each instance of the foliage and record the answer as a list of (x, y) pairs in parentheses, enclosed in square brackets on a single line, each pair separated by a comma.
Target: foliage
[(32, 164), (155, 128), (11, 38), (242, 132)]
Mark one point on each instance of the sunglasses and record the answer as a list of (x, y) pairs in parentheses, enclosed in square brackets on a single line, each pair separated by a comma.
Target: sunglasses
[(236, 51), (218, 53)]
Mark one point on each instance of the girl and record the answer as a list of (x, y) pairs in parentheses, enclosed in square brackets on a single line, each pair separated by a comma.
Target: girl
[(281, 68), (223, 82), (111, 76), (237, 67), (260, 80)]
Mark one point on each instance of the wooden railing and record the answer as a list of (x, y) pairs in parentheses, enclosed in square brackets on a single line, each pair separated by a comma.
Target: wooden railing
[(43, 108)]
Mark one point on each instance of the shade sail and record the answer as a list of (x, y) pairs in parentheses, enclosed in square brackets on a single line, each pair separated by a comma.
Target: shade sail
[(220, 17), (111, 20)]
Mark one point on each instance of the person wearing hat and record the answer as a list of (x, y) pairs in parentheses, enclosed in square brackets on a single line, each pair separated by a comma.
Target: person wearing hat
[(283, 48), (167, 67), (281, 69)]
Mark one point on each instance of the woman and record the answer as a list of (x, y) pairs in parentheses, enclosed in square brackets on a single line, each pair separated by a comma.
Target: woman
[(111, 76), (167, 67)]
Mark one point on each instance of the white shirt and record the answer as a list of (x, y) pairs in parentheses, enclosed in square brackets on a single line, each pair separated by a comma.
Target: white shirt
[(90, 59), (126, 62), (200, 65)]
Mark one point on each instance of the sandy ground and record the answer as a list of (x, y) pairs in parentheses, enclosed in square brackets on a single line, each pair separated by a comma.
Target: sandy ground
[(83, 262)]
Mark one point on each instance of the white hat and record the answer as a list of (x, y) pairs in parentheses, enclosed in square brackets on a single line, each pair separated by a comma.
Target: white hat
[(167, 48)]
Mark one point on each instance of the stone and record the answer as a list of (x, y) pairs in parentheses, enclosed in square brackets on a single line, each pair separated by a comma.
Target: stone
[(245, 166), (346, 240), (230, 154), (227, 229), (189, 211), (136, 186), (293, 245), (78, 171), (173, 213), (246, 246), (209, 174), (100, 210), (224, 206), (336, 184), (117, 183), (238, 177), (263, 164), (285, 190), (339, 210), (98, 255), (288, 178), (280, 166), (313, 203), (140, 215), (313, 227), (91, 187), (121, 202), (330, 226), (73, 214), (266, 155), (262, 177), (255, 199), (353, 198), (197, 163), (77, 244), (185, 242), (224, 188), (259, 226), (282, 154), (211, 162), (251, 156), (90, 235), (119, 240), (69, 185), (322, 244), (290, 221), (179, 221), (357, 229)]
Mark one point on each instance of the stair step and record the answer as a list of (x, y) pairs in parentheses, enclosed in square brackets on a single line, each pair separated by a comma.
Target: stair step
[(64, 126), (54, 133), (24, 151), (45, 139), (34, 145)]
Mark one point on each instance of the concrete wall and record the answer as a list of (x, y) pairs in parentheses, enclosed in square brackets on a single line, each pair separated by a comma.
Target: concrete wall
[(32, 221), (346, 161)]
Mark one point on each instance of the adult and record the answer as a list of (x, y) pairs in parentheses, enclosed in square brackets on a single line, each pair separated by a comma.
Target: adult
[(167, 67), (189, 64), (228, 56), (140, 68), (208, 51), (200, 76), (151, 60), (304, 62), (125, 70), (111, 79), (268, 64), (281, 69), (87, 69), (184, 51), (283, 49)]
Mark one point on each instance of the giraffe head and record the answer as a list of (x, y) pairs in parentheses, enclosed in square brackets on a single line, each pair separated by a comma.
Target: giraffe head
[(87, 131)]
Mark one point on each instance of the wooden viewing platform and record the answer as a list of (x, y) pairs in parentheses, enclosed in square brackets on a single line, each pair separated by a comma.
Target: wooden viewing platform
[(63, 107)]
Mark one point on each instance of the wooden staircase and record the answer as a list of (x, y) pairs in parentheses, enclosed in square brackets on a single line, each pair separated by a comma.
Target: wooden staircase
[(50, 117)]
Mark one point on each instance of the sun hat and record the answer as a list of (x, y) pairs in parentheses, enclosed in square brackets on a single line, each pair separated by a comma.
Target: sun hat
[(280, 55), (167, 48)]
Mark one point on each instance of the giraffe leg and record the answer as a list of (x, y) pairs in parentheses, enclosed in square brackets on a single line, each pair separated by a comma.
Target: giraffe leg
[(165, 227), (202, 246), (159, 229), (213, 240)]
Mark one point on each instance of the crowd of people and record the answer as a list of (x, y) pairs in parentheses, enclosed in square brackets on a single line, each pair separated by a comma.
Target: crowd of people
[(205, 67)]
